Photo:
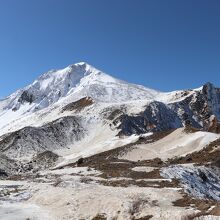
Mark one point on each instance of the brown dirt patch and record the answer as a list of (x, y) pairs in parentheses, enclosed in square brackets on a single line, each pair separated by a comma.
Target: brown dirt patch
[(145, 217), (100, 217), (78, 105), (202, 205), (190, 129), (140, 183)]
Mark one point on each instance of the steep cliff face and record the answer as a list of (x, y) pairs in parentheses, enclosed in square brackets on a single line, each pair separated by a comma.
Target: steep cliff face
[(156, 117), (198, 108), (212, 96)]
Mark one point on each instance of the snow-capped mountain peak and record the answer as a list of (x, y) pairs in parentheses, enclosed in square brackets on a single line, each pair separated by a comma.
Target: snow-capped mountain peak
[(59, 88), (77, 81)]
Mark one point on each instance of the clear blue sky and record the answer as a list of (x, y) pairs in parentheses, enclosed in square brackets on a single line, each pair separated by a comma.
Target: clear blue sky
[(162, 44)]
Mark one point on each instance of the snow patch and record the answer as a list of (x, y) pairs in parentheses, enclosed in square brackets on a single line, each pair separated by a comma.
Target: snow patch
[(178, 143)]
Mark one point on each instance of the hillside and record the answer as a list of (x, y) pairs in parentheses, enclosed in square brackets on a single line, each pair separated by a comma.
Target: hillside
[(78, 143)]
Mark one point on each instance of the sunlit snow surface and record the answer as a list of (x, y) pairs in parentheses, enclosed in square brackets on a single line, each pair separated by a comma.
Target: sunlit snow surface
[(178, 143), (13, 205), (59, 87)]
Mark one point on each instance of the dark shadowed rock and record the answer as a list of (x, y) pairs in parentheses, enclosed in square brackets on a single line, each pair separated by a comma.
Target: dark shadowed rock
[(26, 97)]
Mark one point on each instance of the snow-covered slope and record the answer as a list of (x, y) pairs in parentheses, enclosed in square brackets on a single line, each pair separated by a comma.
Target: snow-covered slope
[(78, 80), (58, 88), (178, 143), (119, 107), (67, 85)]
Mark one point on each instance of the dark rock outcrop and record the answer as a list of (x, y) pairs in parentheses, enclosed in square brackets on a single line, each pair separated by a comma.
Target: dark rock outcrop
[(54, 135), (26, 97)]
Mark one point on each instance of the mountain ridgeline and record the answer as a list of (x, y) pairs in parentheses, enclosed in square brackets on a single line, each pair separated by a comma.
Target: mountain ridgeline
[(199, 109), (60, 108)]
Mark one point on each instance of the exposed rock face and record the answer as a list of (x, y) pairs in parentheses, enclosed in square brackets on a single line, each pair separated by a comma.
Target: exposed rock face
[(156, 117), (200, 110), (198, 107), (199, 181), (31, 140), (7, 166), (44, 160), (214, 125), (26, 97), (212, 96)]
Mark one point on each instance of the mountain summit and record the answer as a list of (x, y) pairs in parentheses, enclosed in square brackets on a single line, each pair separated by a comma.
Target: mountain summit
[(77, 80)]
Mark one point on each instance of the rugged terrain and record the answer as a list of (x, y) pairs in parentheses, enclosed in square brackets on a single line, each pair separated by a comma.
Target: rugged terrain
[(80, 144)]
